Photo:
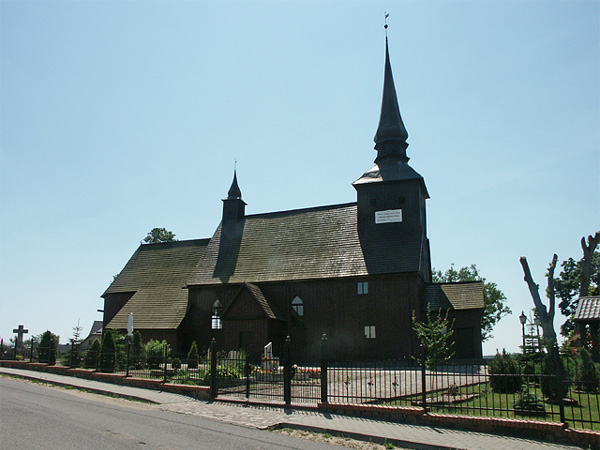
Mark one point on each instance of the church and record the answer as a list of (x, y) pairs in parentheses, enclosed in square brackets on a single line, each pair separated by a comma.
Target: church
[(358, 272)]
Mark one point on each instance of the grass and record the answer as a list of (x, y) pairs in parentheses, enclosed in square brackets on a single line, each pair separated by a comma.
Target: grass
[(582, 410)]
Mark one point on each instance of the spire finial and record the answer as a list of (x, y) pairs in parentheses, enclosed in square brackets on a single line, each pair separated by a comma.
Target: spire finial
[(385, 16)]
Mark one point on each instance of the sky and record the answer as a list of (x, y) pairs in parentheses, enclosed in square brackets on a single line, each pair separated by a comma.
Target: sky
[(121, 116)]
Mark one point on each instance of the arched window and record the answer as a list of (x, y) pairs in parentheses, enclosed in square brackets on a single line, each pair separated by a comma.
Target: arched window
[(298, 306), (217, 310)]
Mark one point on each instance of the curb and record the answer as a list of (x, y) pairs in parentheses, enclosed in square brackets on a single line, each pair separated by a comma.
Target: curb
[(362, 437), (80, 388)]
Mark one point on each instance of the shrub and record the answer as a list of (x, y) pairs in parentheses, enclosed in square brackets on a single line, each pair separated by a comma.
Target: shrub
[(108, 353), (529, 404), (587, 374), (155, 353), (505, 374), (193, 358), (90, 361), (176, 363), (225, 375)]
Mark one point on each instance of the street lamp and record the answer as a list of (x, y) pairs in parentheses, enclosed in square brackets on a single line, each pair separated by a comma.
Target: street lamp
[(523, 320)]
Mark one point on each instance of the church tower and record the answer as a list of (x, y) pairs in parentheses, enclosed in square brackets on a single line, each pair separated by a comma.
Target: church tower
[(391, 197), (234, 208)]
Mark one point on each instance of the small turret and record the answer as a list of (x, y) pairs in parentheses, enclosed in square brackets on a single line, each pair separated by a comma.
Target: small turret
[(234, 208)]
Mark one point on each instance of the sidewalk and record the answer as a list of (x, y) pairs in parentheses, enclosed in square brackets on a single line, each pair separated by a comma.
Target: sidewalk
[(262, 417)]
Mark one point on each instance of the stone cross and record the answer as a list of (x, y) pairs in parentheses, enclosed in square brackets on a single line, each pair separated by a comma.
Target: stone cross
[(267, 364), (20, 332)]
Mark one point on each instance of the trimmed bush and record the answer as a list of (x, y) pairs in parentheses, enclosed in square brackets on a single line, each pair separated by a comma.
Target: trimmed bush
[(155, 353), (192, 357), (587, 374), (90, 361), (108, 353), (47, 348), (505, 374)]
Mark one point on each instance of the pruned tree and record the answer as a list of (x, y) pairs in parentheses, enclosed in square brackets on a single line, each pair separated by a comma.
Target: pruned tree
[(545, 315), (578, 279), (587, 262)]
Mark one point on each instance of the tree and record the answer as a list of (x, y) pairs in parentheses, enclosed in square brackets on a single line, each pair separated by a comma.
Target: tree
[(91, 357), (108, 352), (545, 315), (577, 279), (193, 358), (47, 347), (434, 335), (494, 299), (157, 235)]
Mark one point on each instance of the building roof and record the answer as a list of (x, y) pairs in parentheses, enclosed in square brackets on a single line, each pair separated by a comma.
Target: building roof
[(457, 296), (156, 274), (588, 309), (312, 243)]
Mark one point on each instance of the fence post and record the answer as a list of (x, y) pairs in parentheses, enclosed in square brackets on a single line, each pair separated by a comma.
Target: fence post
[(287, 373), (31, 356), (213, 369), (247, 372), (166, 361), (423, 378), (324, 356)]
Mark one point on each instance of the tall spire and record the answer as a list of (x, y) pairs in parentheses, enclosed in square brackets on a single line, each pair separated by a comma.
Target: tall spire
[(390, 138)]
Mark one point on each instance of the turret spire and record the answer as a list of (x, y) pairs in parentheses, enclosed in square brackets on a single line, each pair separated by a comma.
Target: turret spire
[(234, 190), (390, 138)]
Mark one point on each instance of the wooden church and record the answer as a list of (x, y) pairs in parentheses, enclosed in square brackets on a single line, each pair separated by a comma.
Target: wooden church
[(355, 271)]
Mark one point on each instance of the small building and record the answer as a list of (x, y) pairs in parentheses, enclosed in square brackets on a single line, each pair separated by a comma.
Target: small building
[(587, 324), (356, 271)]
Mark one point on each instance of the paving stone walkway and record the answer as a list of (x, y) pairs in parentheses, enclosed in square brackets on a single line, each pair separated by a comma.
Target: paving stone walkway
[(262, 417)]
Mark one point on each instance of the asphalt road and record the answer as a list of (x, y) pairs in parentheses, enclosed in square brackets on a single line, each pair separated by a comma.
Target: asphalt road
[(39, 417)]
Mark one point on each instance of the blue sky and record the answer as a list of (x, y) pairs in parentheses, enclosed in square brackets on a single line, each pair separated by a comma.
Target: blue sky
[(117, 117)]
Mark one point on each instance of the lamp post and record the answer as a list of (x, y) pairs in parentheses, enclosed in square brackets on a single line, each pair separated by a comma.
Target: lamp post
[(523, 320)]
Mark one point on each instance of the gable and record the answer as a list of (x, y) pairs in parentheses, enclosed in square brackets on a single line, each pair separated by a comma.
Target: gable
[(157, 275), (250, 303)]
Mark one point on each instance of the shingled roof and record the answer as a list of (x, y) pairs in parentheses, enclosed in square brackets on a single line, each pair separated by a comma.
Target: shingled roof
[(457, 296), (588, 309), (157, 274), (311, 243)]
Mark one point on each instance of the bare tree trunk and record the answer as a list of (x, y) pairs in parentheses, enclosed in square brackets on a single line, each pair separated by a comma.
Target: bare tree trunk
[(586, 263), (546, 316)]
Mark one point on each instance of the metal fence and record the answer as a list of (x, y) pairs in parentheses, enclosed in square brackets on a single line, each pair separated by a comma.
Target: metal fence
[(472, 389)]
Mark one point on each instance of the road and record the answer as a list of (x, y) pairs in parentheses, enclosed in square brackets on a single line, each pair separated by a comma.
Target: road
[(35, 416)]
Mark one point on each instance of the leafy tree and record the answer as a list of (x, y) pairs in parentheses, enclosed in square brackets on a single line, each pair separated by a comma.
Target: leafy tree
[(494, 299), (91, 357), (193, 359), (434, 334), (108, 352), (157, 235)]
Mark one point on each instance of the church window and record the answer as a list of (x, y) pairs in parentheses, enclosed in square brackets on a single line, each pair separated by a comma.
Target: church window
[(217, 311), (362, 287), (298, 306), (369, 331)]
